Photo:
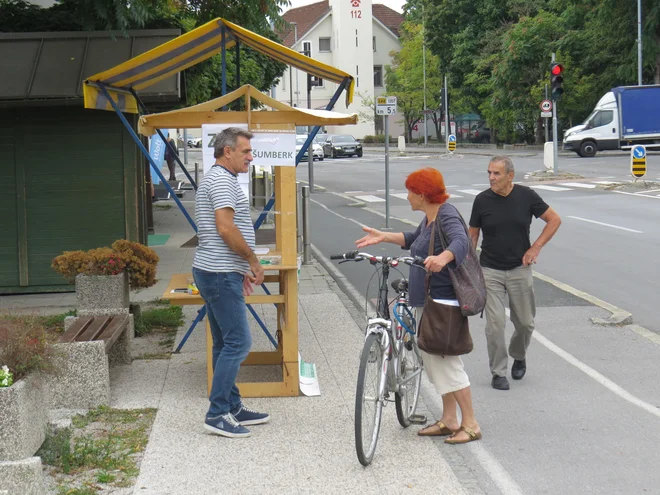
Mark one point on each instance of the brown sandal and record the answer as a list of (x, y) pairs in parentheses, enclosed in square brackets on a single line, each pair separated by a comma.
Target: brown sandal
[(438, 429), (472, 436)]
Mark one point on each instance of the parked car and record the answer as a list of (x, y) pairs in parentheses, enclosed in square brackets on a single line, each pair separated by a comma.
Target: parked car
[(480, 133), (317, 153), (320, 139), (341, 145), (195, 142)]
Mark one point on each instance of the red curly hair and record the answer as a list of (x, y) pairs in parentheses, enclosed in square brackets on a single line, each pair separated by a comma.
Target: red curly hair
[(429, 183)]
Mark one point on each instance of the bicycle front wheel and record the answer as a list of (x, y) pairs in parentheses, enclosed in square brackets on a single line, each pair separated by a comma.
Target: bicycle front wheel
[(410, 380), (368, 403)]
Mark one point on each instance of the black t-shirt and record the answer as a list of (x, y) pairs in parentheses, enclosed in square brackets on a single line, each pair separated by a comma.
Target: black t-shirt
[(504, 222)]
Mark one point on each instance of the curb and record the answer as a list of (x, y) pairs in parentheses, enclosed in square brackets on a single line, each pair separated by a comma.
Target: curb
[(618, 318)]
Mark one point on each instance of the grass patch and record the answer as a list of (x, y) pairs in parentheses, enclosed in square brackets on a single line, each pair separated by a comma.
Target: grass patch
[(150, 355), (167, 318), (98, 451), (55, 323)]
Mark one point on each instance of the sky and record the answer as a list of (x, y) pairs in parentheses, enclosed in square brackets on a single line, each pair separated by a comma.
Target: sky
[(393, 4)]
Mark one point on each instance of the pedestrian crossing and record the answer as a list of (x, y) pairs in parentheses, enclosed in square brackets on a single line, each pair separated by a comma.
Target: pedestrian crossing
[(456, 192)]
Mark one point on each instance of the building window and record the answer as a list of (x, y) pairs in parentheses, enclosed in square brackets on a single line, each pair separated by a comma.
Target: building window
[(373, 42), (318, 82), (307, 48), (378, 76), (325, 45)]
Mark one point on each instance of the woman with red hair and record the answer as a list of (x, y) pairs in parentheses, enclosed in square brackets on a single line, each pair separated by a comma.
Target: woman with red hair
[(427, 193)]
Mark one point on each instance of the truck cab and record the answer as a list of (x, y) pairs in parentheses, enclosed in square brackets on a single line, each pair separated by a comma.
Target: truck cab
[(599, 131)]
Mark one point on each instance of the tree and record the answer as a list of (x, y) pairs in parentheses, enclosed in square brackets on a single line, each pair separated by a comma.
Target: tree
[(405, 78)]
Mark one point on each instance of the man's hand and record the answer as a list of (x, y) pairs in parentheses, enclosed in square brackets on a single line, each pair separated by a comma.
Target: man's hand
[(530, 256), (373, 237), (248, 288), (434, 263), (257, 271)]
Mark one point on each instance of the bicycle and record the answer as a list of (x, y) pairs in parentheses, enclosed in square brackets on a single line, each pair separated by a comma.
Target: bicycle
[(390, 362)]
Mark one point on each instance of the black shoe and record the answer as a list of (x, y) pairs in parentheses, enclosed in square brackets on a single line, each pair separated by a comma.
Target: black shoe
[(518, 369), (500, 383)]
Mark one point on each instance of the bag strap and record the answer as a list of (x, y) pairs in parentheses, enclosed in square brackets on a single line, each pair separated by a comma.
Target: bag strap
[(427, 278)]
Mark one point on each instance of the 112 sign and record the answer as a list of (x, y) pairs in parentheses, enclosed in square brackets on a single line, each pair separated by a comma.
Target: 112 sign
[(356, 14)]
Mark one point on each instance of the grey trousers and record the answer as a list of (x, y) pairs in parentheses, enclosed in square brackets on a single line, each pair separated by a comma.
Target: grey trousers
[(519, 285)]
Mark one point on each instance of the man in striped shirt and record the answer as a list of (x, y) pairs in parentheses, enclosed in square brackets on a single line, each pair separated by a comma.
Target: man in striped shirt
[(224, 268)]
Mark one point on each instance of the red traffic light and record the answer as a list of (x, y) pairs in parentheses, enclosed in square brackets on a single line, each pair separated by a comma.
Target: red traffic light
[(557, 69)]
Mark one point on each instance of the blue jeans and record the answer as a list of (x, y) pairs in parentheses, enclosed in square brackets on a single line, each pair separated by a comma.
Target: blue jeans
[(227, 316)]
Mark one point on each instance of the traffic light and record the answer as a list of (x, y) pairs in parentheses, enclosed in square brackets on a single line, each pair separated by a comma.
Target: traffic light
[(556, 80), (314, 81)]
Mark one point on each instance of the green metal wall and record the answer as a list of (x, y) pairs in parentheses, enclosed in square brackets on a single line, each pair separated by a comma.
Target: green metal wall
[(72, 179)]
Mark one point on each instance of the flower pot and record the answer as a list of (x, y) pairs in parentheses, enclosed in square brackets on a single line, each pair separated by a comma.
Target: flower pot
[(102, 294), (23, 418)]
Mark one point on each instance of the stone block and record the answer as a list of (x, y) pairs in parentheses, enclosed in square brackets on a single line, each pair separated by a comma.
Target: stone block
[(98, 295), (22, 477), (83, 379), (121, 351), (23, 418)]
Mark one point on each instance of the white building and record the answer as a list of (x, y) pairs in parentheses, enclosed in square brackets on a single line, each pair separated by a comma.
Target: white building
[(355, 36)]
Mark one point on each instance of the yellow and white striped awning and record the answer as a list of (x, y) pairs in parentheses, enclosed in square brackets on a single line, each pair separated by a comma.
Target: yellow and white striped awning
[(187, 50)]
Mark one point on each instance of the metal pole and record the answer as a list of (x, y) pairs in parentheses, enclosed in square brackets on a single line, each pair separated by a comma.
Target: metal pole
[(387, 171), (545, 120), (446, 112), (310, 149), (307, 252), (639, 42), (295, 39), (196, 172), (426, 132), (299, 218), (555, 142), (185, 146)]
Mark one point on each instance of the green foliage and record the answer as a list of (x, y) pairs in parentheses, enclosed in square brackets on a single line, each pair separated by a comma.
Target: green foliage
[(166, 318), (497, 55)]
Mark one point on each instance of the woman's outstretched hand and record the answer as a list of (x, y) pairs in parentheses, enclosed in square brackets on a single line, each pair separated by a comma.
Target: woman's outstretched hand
[(373, 237)]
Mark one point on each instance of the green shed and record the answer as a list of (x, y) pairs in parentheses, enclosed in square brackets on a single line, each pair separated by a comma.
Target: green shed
[(72, 178)]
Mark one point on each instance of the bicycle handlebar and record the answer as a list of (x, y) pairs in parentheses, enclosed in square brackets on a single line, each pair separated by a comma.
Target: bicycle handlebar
[(358, 256)]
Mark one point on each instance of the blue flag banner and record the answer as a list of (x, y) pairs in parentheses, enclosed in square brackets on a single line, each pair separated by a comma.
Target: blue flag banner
[(157, 152)]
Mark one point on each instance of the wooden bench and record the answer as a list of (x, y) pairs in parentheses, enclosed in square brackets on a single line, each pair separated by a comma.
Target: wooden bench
[(87, 328)]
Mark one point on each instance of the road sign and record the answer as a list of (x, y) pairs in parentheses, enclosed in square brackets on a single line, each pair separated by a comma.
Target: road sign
[(451, 142), (546, 106), (638, 161), (546, 115), (386, 105)]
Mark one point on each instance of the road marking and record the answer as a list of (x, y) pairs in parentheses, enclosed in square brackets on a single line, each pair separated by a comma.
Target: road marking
[(607, 177), (589, 371), (455, 196), (607, 225), (481, 185), (592, 373), (605, 182), (370, 198), (401, 196), (473, 192), (578, 184), (380, 190), (495, 470), (636, 194), (551, 188), (651, 191), (353, 192), (335, 213)]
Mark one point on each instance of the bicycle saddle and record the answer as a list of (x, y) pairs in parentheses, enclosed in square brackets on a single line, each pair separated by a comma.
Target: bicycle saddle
[(400, 285)]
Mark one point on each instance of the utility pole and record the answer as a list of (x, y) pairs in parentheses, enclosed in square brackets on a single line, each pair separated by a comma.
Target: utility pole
[(310, 150), (295, 40), (555, 144), (426, 132), (446, 97), (639, 42), (545, 121)]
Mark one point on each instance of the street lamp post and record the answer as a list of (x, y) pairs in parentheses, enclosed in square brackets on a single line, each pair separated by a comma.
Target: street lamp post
[(295, 40)]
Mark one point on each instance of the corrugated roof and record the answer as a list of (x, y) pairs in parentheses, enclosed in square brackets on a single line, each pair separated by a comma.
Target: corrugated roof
[(308, 15), (52, 65)]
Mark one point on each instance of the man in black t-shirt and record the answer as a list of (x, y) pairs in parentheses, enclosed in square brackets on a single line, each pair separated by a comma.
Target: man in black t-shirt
[(504, 214)]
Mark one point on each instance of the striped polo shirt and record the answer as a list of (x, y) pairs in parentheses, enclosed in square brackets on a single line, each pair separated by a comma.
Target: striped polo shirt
[(220, 189)]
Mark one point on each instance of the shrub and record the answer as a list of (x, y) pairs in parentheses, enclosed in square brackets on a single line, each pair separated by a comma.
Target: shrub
[(138, 260), (25, 346), (368, 139)]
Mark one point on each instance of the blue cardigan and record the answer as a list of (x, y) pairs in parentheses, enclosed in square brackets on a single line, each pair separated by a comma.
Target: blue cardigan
[(418, 244)]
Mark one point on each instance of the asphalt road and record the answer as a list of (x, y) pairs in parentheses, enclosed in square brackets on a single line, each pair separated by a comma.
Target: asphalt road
[(607, 245)]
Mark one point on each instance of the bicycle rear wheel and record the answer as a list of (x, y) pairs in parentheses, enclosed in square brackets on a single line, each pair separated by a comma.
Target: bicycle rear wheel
[(368, 404), (410, 380)]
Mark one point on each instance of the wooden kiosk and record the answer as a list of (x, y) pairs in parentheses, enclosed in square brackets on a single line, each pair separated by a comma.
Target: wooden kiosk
[(278, 117)]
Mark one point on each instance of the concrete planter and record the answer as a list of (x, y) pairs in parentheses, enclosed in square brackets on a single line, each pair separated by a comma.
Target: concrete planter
[(102, 294), (23, 418)]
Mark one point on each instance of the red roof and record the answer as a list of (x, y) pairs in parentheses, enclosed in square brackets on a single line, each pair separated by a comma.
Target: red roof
[(308, 15)]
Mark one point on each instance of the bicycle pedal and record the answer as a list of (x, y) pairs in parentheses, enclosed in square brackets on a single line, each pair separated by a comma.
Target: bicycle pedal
[(408, 345), (418, 419)]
